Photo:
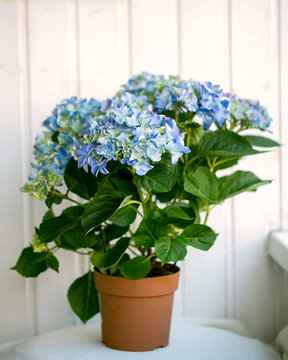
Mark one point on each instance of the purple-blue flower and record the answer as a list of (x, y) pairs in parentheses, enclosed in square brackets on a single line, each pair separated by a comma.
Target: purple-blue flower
[(250, 112), (134, 137)]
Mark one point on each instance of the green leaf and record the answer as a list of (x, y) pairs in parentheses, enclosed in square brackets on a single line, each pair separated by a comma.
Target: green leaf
[(113, 231), (122, 181), (199, 236), (114, 255), (74, 211), (76, 238), (52, 262), (49, 201), (239, 182), (168, 196), (83, 297), (160, 179), (53, 199), (124, 216), (175, 211), (48, 215), (170, 249), (229, 162), (54, 137), (50, 229), (97, 259), (78, 181), (31, 264), (136, 268), (225, 143), (206, 186), (203, 184), (147, 233), (100, 209), (196, 132), (180, 216), (261, 141)]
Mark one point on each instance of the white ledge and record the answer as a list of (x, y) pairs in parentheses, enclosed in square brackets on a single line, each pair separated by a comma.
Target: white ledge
[(278, 248)]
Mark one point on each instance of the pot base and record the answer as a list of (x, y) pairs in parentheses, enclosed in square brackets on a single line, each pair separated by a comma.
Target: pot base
[(136, 324)]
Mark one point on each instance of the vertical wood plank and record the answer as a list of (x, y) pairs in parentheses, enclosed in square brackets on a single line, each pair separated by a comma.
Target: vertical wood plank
[(204, 39), (155, 36), (283, 108), (24, 92), (12, 298), (254, 74), (49, 79), (205, 57), (283, 137), (103, 47)]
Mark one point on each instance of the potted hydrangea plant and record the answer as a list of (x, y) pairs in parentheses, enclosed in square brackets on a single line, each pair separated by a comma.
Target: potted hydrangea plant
[(141, 170)]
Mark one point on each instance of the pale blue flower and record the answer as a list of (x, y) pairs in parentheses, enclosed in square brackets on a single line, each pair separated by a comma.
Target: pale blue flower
[(134, 137), (250, 113)]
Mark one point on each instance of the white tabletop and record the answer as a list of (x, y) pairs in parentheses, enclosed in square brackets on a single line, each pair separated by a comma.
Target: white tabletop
[(191, 339)]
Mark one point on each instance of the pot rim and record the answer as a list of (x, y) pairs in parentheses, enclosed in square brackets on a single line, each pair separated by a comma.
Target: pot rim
[(145, 287)]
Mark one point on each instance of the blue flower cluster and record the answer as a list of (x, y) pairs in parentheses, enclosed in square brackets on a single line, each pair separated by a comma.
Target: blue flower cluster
[(250, 113), (145, 83), (133, 127), (134, 137), (71, 113), (206, 100), (53, 148)]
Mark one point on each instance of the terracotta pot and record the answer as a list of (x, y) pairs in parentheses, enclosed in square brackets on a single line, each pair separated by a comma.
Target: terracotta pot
[(136, 314)]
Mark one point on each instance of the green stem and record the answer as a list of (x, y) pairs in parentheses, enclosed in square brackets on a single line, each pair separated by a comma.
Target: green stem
[(177, 115), (137, 211), (211, 165), (140, 195), (66, 197), (187, 144), (102, 240), (207, 214), (225, 160)]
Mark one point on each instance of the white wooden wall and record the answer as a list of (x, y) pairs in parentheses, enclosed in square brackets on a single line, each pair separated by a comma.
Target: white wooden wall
[(52, 49)]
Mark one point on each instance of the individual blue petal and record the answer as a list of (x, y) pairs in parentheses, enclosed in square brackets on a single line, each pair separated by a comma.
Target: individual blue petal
[(164, 100), (105, 105), (153, 152), (142, 167)]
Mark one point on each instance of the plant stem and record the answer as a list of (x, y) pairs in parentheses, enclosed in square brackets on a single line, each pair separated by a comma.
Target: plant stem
[(177, 115), (102, 240), (66, 197), (187, 143), (74, 201), (211, 165), (226, 160), (207, 214)]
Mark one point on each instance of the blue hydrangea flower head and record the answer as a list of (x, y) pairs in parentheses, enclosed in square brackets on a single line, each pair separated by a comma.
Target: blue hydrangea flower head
[(251, 113), (133, 127), (137, 138), (53, 148)]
